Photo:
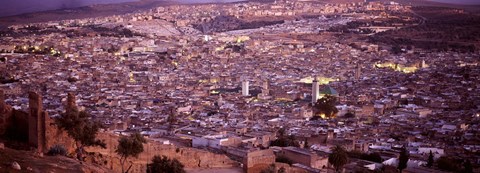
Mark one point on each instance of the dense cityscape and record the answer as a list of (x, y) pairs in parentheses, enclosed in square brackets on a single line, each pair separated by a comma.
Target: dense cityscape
[(283, 86)]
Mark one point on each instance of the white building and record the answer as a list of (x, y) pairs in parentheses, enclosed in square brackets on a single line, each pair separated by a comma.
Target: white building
[(210, 141)]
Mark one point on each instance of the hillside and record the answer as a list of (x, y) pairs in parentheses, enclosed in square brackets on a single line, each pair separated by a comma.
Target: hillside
[(105, 160), (30, 162)]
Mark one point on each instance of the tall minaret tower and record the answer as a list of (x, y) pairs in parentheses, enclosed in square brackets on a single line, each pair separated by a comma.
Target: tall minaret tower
[(423, 64), (358, 72), (315, 90), (245, 85)]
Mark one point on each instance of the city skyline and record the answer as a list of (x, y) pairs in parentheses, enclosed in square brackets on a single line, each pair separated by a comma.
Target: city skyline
[(290, 86)]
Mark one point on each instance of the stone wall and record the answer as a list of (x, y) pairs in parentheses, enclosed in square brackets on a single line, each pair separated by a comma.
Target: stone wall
[(190, 157), (5, 113), (290, 169), (55, 136), (35, 127), (17, 126), (259, 157)]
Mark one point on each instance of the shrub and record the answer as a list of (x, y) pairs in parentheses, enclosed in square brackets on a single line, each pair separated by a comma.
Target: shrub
[(283, 159), (57, 150)]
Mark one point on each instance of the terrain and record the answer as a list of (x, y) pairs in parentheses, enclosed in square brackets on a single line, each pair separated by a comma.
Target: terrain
[(130, 7), (34, 163), (105, 160), (442, 29)]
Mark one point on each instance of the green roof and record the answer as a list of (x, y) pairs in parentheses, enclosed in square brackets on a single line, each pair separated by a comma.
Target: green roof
[(329, 90)]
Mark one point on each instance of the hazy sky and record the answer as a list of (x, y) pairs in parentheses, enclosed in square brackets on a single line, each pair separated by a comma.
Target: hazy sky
[(477, 2), (13, 7)]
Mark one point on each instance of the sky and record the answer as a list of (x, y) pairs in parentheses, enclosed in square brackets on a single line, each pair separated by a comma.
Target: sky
[(475, 2), (14, 7)]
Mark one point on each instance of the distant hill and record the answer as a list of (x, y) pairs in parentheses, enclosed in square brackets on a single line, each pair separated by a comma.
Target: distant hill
[(81, 12), (98, 10), (129, 7), (432, 3)]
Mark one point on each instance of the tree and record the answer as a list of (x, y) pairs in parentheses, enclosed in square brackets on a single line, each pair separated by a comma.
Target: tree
[(403, 160), (338, 157), (349, 115), (269, 169), (285, 141), (396, 49), (467, 167), (81, 128), (430, 159), (374, 157), (129, 146), (448, 164), (163, 164), (326, 106), (283, 159), (305, 144), (281, 132), (172, 118)]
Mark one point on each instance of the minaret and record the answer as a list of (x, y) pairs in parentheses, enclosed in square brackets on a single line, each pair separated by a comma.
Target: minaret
[(220, 100), (245, 86), (315, 90), (358, 72), (423, 64), (265, 85)]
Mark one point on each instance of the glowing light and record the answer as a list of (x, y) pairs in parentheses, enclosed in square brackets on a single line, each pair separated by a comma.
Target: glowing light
[(214, 80), (207, 38), (321, 80), (214, 92), (219, 48), (283, 99), (323, 116), (132, 79), (397, 67), (242, 39)]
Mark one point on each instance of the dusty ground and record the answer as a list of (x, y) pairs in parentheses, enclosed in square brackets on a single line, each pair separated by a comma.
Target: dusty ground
[(29, 162), (215, 170)]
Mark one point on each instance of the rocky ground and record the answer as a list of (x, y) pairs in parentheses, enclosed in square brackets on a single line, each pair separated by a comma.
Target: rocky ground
[(28, 161)]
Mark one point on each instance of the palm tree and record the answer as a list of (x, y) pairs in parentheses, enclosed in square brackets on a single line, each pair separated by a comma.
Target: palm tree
[(338, 157)]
